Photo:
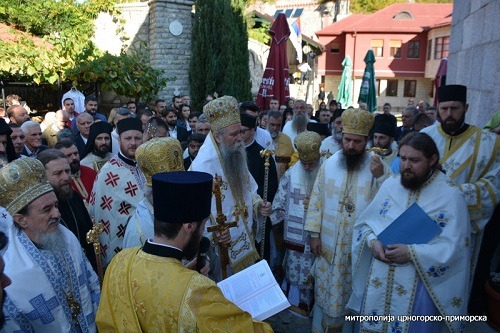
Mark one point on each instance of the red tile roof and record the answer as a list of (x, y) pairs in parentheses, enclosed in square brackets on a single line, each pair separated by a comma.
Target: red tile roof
[(337, 27), (9, 34), (422, 16)]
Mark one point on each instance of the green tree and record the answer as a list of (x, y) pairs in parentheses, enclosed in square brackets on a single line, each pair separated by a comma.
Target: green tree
[(219, 61), (66, 51)]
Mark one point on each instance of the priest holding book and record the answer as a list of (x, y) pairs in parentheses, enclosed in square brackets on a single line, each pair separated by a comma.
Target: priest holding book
[(147, 289), (413, 278)]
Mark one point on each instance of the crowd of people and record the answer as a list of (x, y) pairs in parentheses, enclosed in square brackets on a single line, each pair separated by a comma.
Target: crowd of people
[(108, 213)]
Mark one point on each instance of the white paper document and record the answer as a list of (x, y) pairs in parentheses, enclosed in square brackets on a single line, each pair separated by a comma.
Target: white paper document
[(255, 291)]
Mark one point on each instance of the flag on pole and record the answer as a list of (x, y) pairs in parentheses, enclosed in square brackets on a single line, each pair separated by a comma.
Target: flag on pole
[(296, 38)]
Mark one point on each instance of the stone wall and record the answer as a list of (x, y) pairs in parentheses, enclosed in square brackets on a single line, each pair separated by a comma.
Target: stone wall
[(474, 58), (169, 52)]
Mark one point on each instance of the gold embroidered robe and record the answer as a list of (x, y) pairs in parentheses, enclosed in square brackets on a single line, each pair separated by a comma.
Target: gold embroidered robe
[(327, 218), (143, 292)]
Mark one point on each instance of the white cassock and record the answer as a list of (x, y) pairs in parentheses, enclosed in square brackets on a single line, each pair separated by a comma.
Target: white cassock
[(37, 299), (472, 161), (435, 280), (338, 197), (140, 227), (329, 146), (290, 206), (242, 252)]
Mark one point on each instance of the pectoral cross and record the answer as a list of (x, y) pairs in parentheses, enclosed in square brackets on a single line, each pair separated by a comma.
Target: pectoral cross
[(348, 204), (221, 223), (74, 307)]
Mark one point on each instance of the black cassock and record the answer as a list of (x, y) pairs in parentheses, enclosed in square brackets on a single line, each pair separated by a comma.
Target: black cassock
[(75, 217), (257, 169)]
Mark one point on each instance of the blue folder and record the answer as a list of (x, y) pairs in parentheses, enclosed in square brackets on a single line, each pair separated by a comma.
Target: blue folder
[(414, 226)]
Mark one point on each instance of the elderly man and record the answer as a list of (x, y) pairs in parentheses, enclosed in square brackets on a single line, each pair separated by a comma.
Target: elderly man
[(74, 214), (51, 131), (421, 278), (344, 186), (290, 207), (17, 114), (154, 156), (203, 126), (407, 116), (83, 123), (54, 288), (186, 100), (33, 139), (7, 151), (118, 188), (283, 148), (181, 299), (98, 148), (470, 158), (299, 120), (223, 153)]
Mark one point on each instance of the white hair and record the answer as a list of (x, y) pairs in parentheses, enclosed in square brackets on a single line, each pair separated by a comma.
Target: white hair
[(28, 124)]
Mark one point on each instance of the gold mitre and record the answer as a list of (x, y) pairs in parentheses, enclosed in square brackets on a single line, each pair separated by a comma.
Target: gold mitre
[(307, 144), (159, 155), (357, 121), (222, 112), (22, 181)]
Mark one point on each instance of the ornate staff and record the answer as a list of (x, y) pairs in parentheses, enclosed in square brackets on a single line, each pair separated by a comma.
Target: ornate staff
[(93, 238), (221, 224), (266, 154)]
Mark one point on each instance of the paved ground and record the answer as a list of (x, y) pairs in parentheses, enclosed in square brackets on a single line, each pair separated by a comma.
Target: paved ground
[(285, 322)]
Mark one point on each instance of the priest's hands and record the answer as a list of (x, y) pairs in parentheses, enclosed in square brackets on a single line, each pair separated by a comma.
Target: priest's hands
[(223, 237), (378, 251), (265, 208), (205, 270), (376, 166), (316, 245), (398, 253)]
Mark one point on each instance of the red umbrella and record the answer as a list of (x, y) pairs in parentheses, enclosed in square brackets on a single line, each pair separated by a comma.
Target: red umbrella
[(276, 79), (440, 79)]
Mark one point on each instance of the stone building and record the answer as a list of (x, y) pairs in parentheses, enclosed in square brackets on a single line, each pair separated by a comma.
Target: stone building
[(474, 58), (164, 26)]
